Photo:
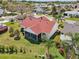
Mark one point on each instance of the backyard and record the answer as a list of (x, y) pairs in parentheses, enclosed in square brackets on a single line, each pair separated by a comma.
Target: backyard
[(33, 51)]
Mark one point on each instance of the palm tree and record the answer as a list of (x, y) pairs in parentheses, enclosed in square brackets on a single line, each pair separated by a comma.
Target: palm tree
[(75, 40), (48, 45), (66, 50)]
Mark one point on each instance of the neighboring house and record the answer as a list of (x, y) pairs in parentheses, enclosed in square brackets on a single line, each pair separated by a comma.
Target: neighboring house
[(38, 28), (71, 13), (1, 11), (77, 5), (40, 8)]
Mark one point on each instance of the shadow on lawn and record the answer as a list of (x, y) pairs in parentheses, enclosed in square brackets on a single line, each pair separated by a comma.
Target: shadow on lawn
[(32, 41)]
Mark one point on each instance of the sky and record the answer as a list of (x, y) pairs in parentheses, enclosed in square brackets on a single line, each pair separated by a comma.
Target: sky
[(49, 0)]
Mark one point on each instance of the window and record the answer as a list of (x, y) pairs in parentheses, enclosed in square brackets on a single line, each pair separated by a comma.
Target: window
[(65, 14)]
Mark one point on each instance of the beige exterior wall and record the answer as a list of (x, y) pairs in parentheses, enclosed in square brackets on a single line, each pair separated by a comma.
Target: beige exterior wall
[(54, 29)]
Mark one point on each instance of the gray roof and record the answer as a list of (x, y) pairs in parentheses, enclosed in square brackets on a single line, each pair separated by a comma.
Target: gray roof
[(72, 28)]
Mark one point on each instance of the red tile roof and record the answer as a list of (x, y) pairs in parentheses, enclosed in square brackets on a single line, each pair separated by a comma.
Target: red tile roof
[(38, 25)]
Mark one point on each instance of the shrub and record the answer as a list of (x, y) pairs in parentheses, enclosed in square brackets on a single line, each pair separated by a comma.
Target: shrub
[(11, 34), (11, 29), (24, 51), (17, 35)]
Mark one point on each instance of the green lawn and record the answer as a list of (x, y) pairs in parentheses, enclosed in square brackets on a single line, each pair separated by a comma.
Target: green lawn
[(74, 19), (37, 49)]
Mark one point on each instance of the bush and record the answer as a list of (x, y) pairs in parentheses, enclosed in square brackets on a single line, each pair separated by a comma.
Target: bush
[(24, 51), (11, 34), (11, 49), (12, 21), (2, 49), (11, 30), (60, 26), (17, 38), (21, 50), (17, 35)]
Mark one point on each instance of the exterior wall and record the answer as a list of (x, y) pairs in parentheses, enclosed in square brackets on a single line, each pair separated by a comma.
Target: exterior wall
[(31, 36), (54, 29)]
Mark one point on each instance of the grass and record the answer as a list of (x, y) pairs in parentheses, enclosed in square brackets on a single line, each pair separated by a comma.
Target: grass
[(74, 19), (37, 49), (55, 53)]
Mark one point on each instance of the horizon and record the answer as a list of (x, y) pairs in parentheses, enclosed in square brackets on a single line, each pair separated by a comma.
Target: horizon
[(49, 0)]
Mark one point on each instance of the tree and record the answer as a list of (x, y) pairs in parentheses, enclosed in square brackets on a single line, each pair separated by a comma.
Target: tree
[(1, 1), (66, 50), (4, 4), (53, 12), (24, 8), (48, 44), (12, 21), (62, 10), (11, 31), (17, 35), (73, 46), (75, 38), (23, 0), (12, 7), (11, 49)]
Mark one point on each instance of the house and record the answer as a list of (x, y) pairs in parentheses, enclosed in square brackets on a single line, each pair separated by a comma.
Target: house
[(41, 8), (38, 28), (1, 11), (71, 13), (38, 10)]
